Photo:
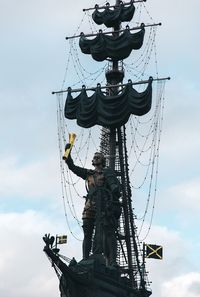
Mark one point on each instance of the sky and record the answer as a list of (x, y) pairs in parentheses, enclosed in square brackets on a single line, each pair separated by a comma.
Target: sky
[(33, 58)]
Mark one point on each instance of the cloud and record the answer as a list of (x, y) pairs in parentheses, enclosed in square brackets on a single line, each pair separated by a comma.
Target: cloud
[(180, 140), (37, 184), (24, 264), (31, 180), (187, 285), (176, 261), (24, 268), (187, 195), (181, 200)]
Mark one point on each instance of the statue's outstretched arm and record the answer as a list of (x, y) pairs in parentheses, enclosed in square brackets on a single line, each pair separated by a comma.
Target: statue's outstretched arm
[(79, 171)]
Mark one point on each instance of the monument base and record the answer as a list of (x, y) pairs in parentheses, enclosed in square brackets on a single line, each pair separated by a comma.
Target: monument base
[(92, 278)]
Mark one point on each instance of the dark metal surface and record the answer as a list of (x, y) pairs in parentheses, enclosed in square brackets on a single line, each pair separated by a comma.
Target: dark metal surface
[(110, 86), (116, 5), (89, 278), (111, 32)]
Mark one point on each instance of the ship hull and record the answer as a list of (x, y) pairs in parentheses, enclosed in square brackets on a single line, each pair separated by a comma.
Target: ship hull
[(92, 278)]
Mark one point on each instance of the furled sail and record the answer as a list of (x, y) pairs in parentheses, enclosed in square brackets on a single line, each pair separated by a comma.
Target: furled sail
[(108, 111), (113, 47), (112, 17)]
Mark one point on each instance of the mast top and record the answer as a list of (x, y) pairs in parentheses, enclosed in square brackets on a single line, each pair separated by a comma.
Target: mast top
[(113, 6)]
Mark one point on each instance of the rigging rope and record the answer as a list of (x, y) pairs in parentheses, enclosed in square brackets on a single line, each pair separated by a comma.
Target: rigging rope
[(154, 168), (69, 54), (161, 91), (145, 132), (69, 182)]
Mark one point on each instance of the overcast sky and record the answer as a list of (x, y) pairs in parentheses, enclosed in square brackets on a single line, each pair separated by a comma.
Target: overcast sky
[(33, 58)]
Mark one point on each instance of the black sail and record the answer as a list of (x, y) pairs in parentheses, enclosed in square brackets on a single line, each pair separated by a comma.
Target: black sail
[(108, 111), (113, 47), (112, 17)]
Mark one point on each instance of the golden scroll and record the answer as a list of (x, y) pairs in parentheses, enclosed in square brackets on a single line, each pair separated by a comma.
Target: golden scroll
[(72, 137)]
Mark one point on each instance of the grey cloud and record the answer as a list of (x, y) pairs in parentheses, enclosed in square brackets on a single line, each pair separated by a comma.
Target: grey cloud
[(195, 287)]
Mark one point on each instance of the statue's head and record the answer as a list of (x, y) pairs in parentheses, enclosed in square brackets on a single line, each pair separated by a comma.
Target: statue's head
[(99, 159)]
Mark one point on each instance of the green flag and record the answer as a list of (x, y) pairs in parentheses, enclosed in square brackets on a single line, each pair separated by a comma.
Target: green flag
[(154, 251)]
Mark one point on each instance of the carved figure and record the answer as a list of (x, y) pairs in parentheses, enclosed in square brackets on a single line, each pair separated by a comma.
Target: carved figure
[(102, 208)]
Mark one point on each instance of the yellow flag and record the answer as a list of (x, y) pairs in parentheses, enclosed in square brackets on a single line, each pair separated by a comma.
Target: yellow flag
[(62, 239)]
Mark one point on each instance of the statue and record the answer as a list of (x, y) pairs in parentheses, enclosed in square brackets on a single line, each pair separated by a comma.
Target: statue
[(102, 208)]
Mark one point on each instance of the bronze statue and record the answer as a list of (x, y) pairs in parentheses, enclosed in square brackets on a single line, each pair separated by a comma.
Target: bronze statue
[(102, 208)]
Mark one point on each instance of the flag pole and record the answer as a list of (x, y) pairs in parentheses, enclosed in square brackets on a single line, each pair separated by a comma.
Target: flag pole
[(56, 244), (143, 267)]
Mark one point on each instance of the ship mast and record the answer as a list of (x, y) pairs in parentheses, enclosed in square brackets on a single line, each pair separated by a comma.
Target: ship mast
[(93, 274), (113, 144), (113, 134), (113, 81)]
